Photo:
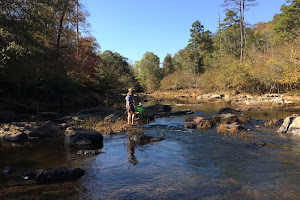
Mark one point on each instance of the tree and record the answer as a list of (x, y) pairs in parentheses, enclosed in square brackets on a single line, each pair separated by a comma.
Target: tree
[(240, 6), (113, 72), (229, 30), (148, 72), (168, 65), (200, 39), (287, 23)]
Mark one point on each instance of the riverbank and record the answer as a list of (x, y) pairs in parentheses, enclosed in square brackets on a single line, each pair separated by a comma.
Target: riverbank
[(287, 102)]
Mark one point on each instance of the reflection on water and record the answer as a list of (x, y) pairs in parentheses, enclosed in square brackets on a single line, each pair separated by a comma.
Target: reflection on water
[(188, 164)]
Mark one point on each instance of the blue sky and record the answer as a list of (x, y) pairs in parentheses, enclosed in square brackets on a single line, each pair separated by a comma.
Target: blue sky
[(132, 27)]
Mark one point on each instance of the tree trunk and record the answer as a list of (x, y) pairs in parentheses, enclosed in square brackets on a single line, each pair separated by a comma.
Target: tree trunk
[(60, 31), (77, 29), (242, 28)]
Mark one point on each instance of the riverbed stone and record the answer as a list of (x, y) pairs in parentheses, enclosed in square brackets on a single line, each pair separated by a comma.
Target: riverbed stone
[(78, 136)]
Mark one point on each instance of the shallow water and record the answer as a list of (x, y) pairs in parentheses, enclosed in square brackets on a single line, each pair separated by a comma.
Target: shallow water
[(188, 164)]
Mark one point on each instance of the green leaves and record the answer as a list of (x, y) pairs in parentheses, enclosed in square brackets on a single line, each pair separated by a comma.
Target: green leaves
[(287, 24), (148, 72)]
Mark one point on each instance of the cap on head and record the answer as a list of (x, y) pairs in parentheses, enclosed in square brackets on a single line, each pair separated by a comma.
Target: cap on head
[(140, 104)]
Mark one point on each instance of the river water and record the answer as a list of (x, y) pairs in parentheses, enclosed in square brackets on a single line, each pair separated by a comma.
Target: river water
[(188, 164)]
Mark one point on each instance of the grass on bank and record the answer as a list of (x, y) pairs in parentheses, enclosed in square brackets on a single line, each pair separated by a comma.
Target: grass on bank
[(110, 128)]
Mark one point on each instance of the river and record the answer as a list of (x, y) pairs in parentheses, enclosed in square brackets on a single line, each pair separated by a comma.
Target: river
[(188, 164)]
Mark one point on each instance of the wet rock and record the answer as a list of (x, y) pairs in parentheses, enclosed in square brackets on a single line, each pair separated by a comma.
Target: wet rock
[(225, 118), (57, 175), (29, 175), (259, 143), (229, 115), (291, 125), (9, 170), (192, 122), (182, 112), (198, 122), (156, 110), (144, 139), (256, 144), (273, 123), (14, 137), (89, 152), (79, 136), (233, 128)]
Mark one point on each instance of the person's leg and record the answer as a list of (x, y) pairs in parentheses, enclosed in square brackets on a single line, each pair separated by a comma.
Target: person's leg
[(132, 120), (129, 118)]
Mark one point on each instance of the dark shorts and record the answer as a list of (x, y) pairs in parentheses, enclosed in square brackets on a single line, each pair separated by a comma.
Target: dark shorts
[(130, 109)]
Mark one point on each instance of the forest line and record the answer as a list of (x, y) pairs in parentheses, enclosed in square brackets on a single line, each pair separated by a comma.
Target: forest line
[(48, 56)]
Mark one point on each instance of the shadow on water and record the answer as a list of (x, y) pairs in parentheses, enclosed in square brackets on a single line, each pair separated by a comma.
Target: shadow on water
[(186, 164)]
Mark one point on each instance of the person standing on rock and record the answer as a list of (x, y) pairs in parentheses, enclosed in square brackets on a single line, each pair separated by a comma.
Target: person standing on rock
[(130, 106)]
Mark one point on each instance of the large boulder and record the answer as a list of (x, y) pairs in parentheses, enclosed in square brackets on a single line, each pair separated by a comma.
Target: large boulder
[(291, 125), (229, 115), (79, 136)]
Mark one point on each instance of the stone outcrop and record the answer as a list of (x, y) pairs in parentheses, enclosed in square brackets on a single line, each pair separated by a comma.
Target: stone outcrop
[(291, 125), (79, 137)]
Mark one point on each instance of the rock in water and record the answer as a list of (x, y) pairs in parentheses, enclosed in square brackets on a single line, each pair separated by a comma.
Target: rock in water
[(79, 136), (9, 170), (290, 125)]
